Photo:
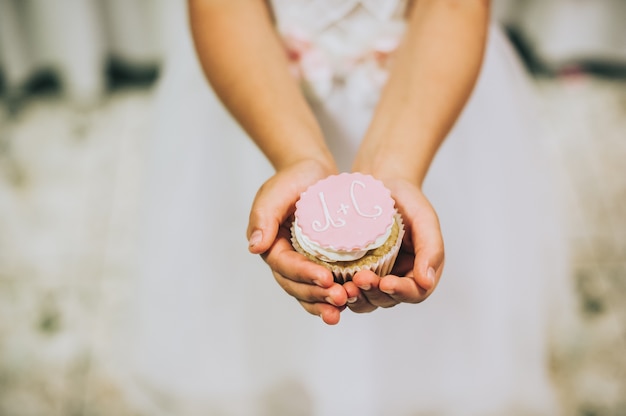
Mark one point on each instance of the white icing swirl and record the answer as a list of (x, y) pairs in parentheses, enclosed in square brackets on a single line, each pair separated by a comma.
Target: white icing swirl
[(331, 255)]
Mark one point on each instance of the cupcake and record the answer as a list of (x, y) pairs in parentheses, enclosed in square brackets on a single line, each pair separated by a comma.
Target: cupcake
[(348, 223)]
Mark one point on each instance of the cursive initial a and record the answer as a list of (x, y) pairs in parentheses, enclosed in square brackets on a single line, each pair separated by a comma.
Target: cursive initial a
[(378, 210), (317, 226)]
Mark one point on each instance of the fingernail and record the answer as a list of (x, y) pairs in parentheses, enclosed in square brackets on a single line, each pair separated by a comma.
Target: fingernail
[(365, 287), (328, 299), (255, 238), (388, 291), (352, 300), (431, 276)]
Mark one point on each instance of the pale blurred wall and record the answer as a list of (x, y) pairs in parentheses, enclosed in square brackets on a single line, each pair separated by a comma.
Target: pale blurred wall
[(561, 33), (77, 39)]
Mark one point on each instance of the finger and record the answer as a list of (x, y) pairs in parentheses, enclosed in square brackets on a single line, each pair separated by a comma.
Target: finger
[(334, 295), (403, 289), (352, 291), (357, 302), (367, 281), (271, 207), (426, 239), (429, 255), (329, 314), (283, 259)]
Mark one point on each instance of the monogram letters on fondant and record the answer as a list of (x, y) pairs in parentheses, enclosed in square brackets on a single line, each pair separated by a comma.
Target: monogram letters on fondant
[(340, 222)]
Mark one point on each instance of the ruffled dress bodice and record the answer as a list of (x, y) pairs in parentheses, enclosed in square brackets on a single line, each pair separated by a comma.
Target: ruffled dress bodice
[(350, 17), (340, 43)]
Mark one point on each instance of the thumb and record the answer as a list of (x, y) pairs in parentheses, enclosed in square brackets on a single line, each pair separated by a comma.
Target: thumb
[(271, 207), (424, 235), (426, 240), (429, 252)]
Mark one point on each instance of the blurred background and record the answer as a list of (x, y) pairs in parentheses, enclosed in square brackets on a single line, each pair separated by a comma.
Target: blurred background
[(77, 82)]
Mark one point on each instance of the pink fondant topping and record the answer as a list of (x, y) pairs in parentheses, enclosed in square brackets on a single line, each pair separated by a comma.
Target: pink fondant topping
[(345, 212)]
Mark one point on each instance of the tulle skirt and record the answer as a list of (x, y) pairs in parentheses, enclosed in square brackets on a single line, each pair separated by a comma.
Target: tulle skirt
[(212, 333)]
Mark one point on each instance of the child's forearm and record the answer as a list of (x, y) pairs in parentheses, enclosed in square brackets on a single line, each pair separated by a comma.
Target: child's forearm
[(246, 65), (432, 75)]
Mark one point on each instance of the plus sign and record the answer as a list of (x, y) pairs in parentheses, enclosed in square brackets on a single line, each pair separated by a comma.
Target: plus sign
[(343, 209)]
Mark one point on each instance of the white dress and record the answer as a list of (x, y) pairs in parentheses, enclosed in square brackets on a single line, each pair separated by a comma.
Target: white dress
[(213, 334)]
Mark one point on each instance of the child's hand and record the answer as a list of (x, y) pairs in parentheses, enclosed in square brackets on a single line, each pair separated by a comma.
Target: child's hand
[(419, 263), (269, 235)]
